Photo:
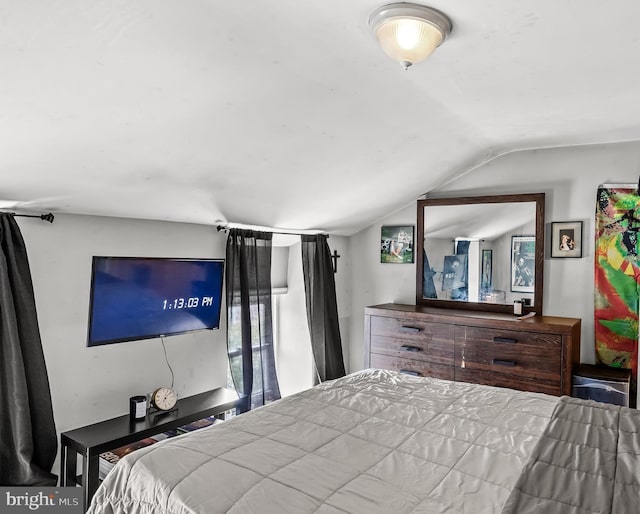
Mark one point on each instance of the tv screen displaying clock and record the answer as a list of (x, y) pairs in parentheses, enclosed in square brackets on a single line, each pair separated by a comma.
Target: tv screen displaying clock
[(136, 298)]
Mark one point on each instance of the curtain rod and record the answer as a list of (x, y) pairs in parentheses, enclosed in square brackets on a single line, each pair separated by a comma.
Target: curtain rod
[(44, 217), (285, 231)]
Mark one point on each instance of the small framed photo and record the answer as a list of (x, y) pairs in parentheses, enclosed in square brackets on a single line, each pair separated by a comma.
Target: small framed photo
[(396, 244), (566, 239), (523, 264)]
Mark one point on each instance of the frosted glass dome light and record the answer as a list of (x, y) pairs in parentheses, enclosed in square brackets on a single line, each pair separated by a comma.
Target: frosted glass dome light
[(409, 33)]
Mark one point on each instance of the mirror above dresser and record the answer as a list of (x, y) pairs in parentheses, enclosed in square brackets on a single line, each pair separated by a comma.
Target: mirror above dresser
[(481, 253)]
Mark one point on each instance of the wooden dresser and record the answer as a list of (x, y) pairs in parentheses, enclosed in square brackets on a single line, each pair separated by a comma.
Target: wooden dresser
[(535, 354)]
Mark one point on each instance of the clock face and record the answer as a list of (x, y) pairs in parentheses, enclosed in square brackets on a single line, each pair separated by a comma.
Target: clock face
[(164, 398)]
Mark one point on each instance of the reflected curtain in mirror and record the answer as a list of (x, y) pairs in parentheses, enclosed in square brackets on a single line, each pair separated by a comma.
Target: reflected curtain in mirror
[(249, 316), (28, 442), (461, 291)]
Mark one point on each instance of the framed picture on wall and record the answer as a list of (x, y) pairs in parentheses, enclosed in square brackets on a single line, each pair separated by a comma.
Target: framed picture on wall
[(523, 263), (566, 239), (396, 244), (485, 278)]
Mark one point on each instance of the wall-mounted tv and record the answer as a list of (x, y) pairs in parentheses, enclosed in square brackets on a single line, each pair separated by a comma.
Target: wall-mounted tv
[(142, 298)]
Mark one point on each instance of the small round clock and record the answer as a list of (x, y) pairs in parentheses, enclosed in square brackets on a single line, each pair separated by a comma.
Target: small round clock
[(164, 398)]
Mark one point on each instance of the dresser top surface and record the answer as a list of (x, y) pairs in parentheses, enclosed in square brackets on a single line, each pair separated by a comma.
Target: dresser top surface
[(480, 318)]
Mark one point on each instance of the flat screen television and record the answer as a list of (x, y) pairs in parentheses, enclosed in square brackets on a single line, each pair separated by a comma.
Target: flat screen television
[(136, 298)]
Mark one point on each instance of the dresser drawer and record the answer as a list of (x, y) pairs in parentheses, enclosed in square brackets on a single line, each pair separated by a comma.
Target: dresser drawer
[(510, 364), (519, 382), (400, 338), (514, 337), (412, 366)]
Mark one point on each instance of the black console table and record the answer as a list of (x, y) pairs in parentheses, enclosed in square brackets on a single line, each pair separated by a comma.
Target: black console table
[(90, 441)]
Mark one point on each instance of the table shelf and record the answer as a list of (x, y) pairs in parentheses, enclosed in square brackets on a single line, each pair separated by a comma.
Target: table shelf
[(90, 441)]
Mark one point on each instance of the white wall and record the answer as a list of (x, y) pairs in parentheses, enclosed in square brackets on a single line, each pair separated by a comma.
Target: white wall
[(92, 384), (294, 358), (569, 177)]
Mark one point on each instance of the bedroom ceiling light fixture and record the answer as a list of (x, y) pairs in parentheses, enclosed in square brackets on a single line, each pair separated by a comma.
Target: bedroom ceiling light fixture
[(409, 33)]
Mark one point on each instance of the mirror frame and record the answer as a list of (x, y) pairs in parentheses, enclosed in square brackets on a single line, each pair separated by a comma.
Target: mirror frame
[(538, 198)]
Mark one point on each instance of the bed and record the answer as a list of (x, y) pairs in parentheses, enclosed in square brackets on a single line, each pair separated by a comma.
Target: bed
[(378, 441)]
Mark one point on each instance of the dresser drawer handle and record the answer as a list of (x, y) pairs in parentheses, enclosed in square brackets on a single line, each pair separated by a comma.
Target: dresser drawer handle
[(413, 330), (504, 340), (502, 362), (410, 372), (409, 348)]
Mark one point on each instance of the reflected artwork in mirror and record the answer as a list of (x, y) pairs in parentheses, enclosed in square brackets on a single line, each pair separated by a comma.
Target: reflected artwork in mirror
[(482, 252)]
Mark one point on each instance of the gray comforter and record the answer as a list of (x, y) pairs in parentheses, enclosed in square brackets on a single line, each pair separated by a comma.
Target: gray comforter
[(381, 442), (372, 442), (587, 461)]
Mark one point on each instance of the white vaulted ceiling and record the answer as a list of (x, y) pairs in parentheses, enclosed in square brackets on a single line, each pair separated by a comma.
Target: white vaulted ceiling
[(286, 113)]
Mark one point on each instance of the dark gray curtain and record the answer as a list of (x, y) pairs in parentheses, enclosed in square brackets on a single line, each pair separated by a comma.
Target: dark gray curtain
[(28, 442), (249, 323), (322, 308)]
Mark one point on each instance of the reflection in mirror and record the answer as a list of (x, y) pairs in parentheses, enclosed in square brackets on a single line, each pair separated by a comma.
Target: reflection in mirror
[(482, 252)]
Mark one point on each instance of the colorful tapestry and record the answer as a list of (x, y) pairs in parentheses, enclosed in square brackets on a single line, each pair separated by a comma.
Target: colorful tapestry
[(617, 277)]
